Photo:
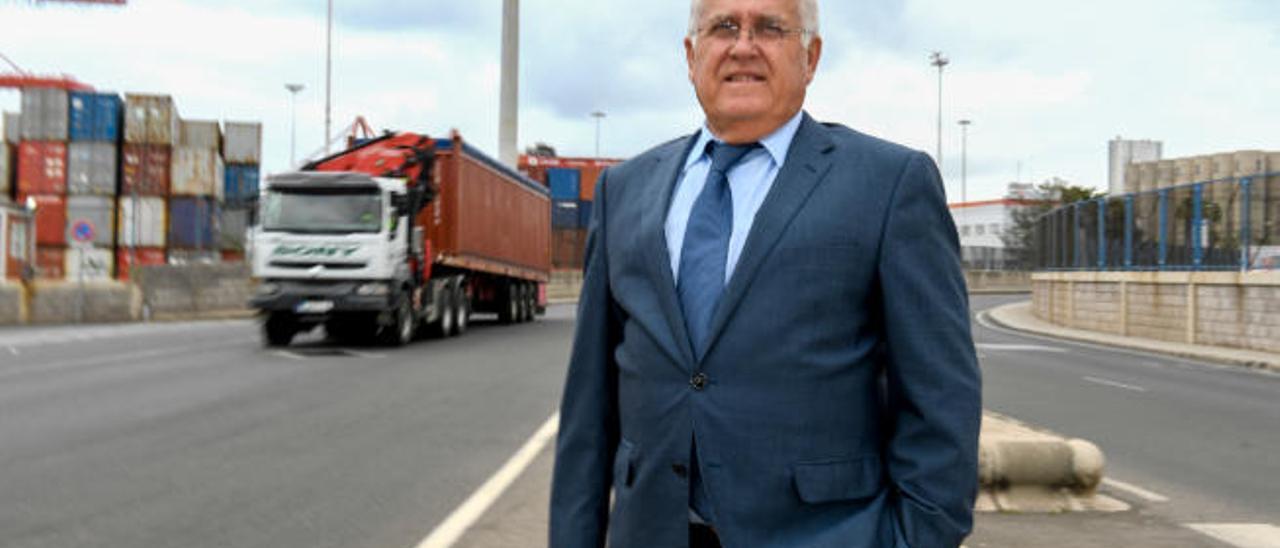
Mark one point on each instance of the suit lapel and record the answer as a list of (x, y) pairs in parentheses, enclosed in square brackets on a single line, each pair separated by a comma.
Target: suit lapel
[(806, 164), (666, 174)]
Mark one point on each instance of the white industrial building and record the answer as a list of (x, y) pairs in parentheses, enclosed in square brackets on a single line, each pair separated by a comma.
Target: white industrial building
[(1122, 153), (982, 224)]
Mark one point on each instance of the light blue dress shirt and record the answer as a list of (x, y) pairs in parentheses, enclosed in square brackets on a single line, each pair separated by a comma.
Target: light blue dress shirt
[(749, 182)]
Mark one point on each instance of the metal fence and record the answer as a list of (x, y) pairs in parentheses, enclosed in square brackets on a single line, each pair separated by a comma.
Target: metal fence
[(1225, 224)]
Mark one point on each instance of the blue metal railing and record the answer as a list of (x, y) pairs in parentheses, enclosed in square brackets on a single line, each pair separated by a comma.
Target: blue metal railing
[(1221, 224)]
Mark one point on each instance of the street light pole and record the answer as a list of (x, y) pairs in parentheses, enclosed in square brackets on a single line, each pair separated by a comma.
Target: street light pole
[(598, 115), (328, 77), (938, 60), (964, 159), (293, 122)]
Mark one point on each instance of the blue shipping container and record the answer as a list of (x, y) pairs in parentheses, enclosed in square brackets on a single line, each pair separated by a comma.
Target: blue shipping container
[(241, 183), (565, 183), (564, 214), (94, 116), (584, 214), (193, 223)]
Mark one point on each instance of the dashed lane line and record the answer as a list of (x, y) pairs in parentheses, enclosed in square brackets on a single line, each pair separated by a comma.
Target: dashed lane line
[(1115, 384), (1150, 496), (1241, 535), (453, 527)]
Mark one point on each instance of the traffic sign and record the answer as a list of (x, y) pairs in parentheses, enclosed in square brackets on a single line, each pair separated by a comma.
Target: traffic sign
[(82, 231)]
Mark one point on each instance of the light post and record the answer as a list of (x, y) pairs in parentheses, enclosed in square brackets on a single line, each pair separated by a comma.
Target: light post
[(598, 115), (964, 159), (938, 60), (328, 77), (293, 122)]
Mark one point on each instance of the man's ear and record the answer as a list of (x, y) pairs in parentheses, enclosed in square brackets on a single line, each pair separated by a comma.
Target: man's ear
[(688, 55), (814, 54)]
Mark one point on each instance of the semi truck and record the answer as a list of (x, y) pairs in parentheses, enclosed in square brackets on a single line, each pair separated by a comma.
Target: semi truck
[(397, 237)]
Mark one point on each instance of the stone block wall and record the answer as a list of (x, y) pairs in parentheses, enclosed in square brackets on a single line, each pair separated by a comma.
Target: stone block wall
[(1229, 309), (194, 289), (70, 302), (11, 296)]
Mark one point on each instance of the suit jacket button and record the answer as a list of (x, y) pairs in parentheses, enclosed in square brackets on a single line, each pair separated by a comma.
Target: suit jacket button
[(699, 381), (680, 470)]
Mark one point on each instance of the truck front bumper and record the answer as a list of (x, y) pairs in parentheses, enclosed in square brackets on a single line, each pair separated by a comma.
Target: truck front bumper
[(308, 299)]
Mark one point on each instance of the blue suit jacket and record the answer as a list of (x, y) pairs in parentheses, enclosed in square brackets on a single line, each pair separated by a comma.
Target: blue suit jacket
[(842, 401)]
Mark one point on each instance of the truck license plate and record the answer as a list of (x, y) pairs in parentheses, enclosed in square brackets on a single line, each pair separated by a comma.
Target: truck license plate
[(314, 307)]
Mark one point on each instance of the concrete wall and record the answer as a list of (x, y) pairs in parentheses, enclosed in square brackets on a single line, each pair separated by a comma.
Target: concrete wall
[(11, 304), (68, 302), (193, 289), (997, 280), (1229, 309)]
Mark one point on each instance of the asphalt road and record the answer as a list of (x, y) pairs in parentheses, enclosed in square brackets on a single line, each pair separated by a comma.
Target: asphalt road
[(1205, 436), (193, 435)]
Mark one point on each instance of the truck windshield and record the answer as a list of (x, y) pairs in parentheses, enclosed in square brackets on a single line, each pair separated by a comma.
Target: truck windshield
[(327, 212)]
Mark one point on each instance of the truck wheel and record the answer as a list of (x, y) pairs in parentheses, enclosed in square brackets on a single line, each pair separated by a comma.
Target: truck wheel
[(530, 302), (443, 327), (509, 311), (278, 330), (399, 333), (462, 306)]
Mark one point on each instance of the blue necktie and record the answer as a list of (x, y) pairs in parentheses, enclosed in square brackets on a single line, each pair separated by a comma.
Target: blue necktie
[(706, 244)]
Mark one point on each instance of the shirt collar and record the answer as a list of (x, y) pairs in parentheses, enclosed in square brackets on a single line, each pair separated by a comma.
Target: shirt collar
[(776, 143)]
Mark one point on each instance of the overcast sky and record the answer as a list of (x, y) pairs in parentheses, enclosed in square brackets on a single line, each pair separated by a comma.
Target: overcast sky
[(1046, 84)]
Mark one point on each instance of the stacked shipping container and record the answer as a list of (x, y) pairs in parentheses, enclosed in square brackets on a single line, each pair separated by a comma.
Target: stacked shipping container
[(242, 151), (572, 182), (150, 184)]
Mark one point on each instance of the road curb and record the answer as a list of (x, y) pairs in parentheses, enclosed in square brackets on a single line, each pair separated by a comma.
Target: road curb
[(1026, 469), (1005, 316)]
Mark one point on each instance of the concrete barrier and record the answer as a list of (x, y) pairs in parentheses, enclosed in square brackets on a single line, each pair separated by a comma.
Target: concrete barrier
[(194, 290), (12, 304), (1023, 469), (997, 281), (93, 302)]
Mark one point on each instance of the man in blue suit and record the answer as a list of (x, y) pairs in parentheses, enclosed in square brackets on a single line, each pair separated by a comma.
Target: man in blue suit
[(773, 345)]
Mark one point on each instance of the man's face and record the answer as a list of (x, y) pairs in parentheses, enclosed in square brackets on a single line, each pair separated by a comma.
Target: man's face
[(749, 86)]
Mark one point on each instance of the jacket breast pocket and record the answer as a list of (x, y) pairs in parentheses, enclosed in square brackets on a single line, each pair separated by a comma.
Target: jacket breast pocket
[(624, 464), (838, 480)]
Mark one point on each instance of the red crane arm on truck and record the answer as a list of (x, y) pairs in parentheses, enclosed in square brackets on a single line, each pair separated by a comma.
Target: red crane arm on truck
[(405, 155)]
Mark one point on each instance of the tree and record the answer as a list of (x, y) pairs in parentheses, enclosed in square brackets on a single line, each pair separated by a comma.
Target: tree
[(1020, 238)]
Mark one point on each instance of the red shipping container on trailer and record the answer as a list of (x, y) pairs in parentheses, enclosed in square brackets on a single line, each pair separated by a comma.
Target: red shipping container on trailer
[(145, 170), (472, 189), (42, 167), (145, 256)]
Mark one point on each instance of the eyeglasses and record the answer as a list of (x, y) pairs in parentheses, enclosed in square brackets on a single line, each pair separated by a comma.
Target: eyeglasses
[(765, 31)]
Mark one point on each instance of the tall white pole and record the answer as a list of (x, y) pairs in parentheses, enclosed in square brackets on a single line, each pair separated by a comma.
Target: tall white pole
[(328, 77), (939, 60), (293, 123), (964, 159), (598, 115), (508, 107)]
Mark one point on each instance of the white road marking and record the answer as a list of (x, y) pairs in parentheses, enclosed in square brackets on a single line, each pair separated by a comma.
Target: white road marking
[(1241, 535), (1019, 347), (984, 319), (462, 518), (99, 360), (13, 350), (1132, 489), (1114, 384), (368, 355), (288, 354)]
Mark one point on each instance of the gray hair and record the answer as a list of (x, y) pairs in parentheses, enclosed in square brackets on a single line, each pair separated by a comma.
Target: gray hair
[(808, 19)]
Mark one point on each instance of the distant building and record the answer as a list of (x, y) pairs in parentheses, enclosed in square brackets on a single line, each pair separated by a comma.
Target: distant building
[(1123, 153), (982, 225)]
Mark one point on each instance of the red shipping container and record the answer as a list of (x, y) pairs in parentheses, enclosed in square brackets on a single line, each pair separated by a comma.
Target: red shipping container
[(50, 262), (146, 256), (145, 170), (51, 219), (42, 167), (232, 256)]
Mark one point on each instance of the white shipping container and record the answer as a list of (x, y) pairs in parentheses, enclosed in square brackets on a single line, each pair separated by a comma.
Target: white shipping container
[(98, 264), (193, 256), (142, 222), (242, 142), (200, 134), (99, 211), (45, 114), (91, 168), (150, 119), (12, 127), (233, 228), (195, 172)]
